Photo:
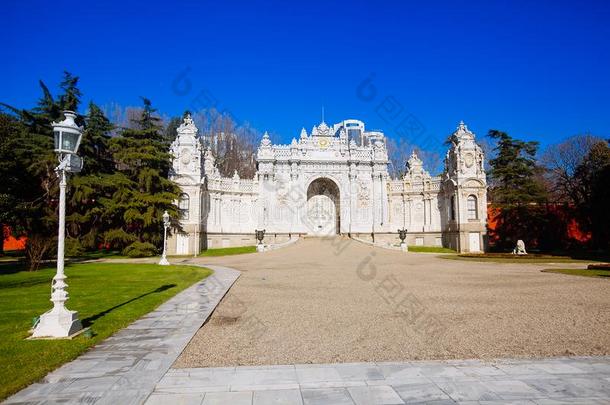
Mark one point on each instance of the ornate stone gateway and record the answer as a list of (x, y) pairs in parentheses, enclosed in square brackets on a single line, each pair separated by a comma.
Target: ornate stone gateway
[(334, 179), (323, 208)]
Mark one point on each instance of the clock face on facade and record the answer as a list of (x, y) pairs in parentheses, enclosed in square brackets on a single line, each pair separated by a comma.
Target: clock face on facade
[(186, 156), (323, 143), (469, 160)]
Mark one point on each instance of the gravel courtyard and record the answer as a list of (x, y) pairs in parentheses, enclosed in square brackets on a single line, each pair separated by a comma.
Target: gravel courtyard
[(337, 300)]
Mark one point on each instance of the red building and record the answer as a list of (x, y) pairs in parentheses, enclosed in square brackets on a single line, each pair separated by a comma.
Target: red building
[(11, 243)]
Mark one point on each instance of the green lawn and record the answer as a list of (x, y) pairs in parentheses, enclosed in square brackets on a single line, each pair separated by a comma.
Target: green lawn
[(580, 272), (430, 249), (508, 258), (108, 297), (228, 251)]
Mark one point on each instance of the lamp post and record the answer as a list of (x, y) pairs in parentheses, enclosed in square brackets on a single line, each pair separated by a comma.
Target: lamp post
[(59, 322), (260, 235), (402, 234), (166, 218)]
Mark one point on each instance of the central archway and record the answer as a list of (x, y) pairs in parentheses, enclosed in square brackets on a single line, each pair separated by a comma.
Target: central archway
[(323, 207)]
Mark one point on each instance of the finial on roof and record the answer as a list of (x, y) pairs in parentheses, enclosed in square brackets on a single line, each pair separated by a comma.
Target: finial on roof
[(462, 131), (188, 125), (265, 141), (303, 133)]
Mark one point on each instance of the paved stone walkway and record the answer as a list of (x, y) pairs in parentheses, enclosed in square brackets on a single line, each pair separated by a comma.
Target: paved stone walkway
[(125, 368), (576, 380)]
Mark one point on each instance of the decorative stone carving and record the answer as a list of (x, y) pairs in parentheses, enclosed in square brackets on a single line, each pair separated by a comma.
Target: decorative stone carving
[(187, 151), (519, 248), (321, 130), (364, 194), (266, 141), (367, 200)]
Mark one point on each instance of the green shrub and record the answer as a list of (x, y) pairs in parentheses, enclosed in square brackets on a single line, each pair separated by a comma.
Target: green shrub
[(140, 249), (74, 247)]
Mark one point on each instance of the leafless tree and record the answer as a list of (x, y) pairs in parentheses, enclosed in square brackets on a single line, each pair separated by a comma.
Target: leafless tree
[(399, 151), (561, 161), (37, 248), (234, 145), (122, 117)]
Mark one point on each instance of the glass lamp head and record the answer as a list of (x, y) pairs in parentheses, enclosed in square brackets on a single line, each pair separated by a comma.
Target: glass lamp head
[(67, 134)]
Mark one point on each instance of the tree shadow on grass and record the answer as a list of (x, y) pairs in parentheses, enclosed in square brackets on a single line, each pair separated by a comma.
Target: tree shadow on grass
[(26, 279), (12, 266), (90, 320)]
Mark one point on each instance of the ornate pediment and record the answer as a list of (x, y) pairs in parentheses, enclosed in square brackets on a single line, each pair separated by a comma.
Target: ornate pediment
[(187, 126), (462, 132), (322, 130), (473, 183), (415, 168)]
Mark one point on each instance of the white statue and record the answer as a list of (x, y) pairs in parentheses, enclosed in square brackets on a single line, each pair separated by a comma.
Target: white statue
[(520, 248)]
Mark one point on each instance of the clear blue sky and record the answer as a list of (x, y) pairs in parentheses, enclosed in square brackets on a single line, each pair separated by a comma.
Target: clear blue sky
[(539, 70)]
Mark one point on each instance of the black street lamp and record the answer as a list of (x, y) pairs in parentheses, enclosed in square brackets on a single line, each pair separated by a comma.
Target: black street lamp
[(260, 235), (402, 234)]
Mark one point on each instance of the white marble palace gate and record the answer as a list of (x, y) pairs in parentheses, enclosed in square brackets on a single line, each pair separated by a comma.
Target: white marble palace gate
[(333, 180)]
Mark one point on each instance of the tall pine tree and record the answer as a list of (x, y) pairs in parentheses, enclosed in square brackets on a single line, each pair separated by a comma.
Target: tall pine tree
[(70, 98), (86, 219), (514, 171), (142, 188), (94, 147), (592, 208), (33, 212), (517, 191)]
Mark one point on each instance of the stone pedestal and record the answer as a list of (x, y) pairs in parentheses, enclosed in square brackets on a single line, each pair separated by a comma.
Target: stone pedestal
[(57, 323), (403, 247), (260, 247)]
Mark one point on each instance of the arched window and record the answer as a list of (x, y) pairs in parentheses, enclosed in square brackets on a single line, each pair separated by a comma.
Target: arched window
[(472, 207), (183, 205)]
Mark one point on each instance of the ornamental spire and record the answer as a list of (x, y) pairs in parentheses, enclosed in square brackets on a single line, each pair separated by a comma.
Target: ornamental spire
[(462, 131), (266, 142), (188, 126)]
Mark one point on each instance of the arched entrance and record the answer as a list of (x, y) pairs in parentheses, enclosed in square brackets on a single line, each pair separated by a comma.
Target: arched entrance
[(323, 209)]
